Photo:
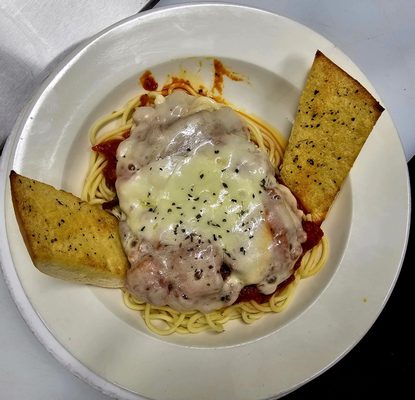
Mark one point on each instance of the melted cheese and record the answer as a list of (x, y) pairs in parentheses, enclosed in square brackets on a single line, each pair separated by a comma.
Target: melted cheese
[(208, 195), (196, 194)]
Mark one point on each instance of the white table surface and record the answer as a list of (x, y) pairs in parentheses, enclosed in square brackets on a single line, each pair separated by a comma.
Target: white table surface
[(378, 35)]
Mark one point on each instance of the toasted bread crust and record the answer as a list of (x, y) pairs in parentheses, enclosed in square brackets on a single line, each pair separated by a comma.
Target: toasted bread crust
[(66, 237), (335, 116)]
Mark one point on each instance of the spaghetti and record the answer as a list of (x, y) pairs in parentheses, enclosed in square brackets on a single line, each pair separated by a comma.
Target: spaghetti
[(115, 127)]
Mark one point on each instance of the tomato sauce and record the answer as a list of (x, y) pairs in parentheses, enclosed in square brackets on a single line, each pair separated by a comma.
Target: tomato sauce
[(314, 235), (251, 292), (220, 72), (146, 100), (148, 82), (109, 150)]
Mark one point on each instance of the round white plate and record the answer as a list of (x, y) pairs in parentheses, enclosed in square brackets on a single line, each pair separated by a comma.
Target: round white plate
[(89, 329)]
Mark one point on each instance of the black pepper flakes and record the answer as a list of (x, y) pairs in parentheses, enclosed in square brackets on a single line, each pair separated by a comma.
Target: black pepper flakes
[(198, 274)]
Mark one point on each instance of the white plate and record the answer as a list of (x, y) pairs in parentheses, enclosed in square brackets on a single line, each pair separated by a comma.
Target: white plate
[(89, 330)]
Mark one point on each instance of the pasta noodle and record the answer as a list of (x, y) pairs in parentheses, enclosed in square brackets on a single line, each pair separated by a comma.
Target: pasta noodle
[(164, 320)]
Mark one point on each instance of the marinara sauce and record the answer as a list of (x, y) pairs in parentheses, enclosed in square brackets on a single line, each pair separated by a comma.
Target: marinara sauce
[(251, 292), (109, 150)]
